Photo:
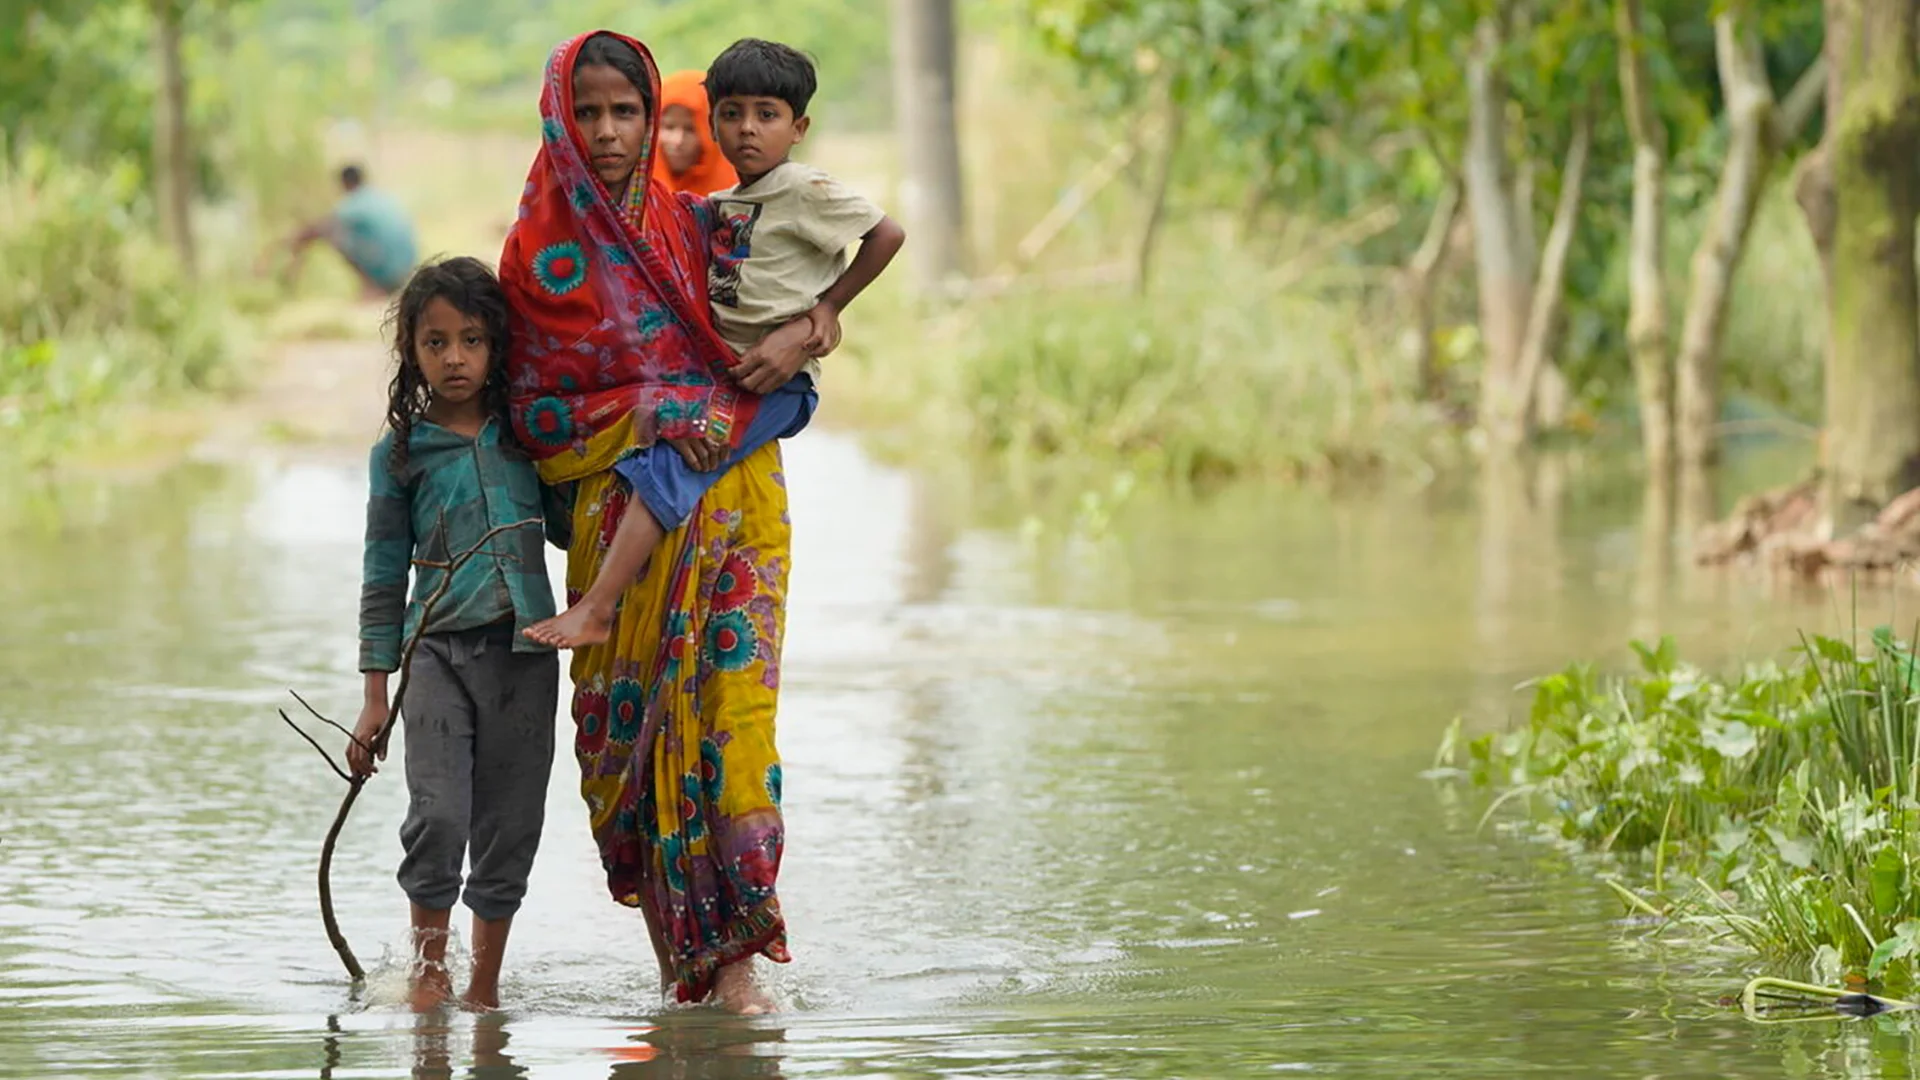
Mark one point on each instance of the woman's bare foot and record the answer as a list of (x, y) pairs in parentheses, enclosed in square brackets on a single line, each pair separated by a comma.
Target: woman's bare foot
[(735, 991), (574, 628), (430, 987)]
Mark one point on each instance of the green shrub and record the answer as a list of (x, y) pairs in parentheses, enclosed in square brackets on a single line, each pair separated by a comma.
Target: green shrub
[(94, 311)]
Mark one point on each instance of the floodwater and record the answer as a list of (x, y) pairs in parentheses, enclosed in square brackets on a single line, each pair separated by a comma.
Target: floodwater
[(1078, 786)]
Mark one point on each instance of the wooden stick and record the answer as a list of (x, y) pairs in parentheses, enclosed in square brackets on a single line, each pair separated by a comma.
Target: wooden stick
[(316, 715), (354, 784), (321, 750)]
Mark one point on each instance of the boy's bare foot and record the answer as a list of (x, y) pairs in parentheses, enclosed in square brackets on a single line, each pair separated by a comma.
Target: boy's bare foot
[(574, 628), (480, 1001), (430, 987), (735, 991)]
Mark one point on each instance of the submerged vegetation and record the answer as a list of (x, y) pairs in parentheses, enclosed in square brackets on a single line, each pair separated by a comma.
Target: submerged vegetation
[(1779, 807)]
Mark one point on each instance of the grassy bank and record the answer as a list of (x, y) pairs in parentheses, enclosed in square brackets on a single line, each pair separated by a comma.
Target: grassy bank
[(1777, 807), (1189, 382)]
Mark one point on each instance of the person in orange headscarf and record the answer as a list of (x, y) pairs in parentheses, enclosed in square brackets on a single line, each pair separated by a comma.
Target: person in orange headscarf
[(689, 160)]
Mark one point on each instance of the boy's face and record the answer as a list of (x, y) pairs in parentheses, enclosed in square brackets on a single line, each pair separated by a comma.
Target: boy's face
[(756, 133)]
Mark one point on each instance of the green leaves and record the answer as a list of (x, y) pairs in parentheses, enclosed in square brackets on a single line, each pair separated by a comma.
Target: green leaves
[(1904, 943), (1659, 660), (1732, 740), (1790, 792), (1889, 881)]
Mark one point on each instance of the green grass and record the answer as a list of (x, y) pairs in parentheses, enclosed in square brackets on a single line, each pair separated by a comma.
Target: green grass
[(1776, 807), (1216, 372), (95, 313)]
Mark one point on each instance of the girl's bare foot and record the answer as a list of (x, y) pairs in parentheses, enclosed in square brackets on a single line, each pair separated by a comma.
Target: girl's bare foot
[(430, 987), (735, 991), (575, 628), (489, 947)]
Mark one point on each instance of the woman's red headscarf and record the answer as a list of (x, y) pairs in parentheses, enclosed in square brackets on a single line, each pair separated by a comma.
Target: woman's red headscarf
[(613, 341), (711, 173)]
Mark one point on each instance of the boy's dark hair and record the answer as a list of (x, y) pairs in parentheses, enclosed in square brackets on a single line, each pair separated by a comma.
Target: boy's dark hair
[(605, 50), (754, 68), (351, 177), (469, 285)]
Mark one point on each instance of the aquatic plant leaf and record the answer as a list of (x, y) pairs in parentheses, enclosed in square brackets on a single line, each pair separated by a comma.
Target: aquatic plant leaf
[(1889, 880), (1730, 837), (1834, 650), (1883, 954), (1904, 942), (1660, 659), (1885, 641), (1795, 851), (1827, 965), (1732, 740)]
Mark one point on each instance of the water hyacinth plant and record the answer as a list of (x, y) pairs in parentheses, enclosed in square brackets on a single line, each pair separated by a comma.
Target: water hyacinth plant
[(1777, 807)]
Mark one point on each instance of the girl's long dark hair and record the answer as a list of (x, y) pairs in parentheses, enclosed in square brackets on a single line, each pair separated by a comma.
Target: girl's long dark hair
[(469, 285)]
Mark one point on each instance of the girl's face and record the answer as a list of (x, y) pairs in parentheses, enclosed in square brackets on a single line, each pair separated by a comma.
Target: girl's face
[(451, 348), (612, 117), (679, 139)]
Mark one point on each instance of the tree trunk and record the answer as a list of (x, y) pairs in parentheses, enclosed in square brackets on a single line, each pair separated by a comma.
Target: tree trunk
[(1504, 268), (1543, 314), (924, 92), (172, 161), (1157, 194), (1421, 274), (1797, 109), (1647, 330), (1873, 194), (1750, 151)]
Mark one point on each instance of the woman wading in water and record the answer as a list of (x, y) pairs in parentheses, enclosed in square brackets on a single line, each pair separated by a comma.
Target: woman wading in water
[(614, 348)]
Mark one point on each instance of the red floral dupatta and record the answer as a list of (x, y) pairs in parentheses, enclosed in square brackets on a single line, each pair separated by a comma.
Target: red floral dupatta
[(613, 343)]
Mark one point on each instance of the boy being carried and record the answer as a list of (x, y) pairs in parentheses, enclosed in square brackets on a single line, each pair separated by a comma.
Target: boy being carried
[(779, 272)]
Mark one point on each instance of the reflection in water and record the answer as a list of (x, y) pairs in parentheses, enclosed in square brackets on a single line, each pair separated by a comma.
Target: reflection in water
[(1699, 498), (1656, 557), (1121, 793), (434, 1056)]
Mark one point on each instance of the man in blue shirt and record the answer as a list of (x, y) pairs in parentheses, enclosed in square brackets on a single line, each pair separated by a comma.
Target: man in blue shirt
[(370, 230)]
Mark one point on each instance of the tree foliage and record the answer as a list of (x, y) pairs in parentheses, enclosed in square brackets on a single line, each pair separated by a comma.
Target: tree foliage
[(1333, 105)]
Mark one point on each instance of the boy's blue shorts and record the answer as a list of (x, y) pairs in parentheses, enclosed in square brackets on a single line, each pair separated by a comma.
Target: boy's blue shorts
[(670, 488)]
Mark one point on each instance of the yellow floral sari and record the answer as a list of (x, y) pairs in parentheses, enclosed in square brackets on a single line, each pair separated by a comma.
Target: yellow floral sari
[(675, 718)]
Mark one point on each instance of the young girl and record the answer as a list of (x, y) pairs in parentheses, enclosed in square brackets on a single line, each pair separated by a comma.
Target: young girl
[(481, 698), (689, 160)]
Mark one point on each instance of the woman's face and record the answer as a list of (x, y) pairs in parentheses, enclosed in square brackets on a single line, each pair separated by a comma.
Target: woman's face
[(612, 117), (679, 139)]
